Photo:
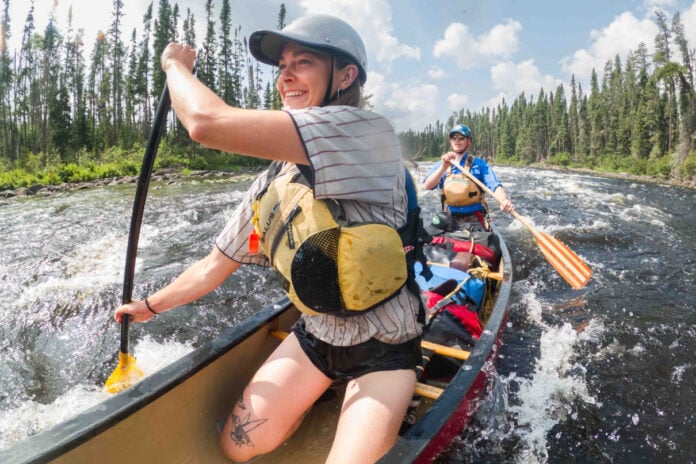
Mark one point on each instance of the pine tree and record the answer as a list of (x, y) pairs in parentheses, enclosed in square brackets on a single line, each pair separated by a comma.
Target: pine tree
[(8, 128), (573, 122), (207, 64), (225, 57), (60, 122), (584, 126), (164, 33), (25, 88), (117, 54), (595, 113), (277, 103), (130, 98), (142, 76), (665, 72), (687, 92), (99, 92), (49, 84), (561, 136), (75, 84)]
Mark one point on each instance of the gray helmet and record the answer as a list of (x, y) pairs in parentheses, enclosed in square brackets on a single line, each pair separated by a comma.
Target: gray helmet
[(320, 32)]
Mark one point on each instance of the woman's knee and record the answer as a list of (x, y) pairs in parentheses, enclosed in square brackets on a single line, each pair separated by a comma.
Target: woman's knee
[(236, 442)]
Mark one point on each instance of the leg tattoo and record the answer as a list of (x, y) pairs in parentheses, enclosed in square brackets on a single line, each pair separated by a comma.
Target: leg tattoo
[(242, 426)]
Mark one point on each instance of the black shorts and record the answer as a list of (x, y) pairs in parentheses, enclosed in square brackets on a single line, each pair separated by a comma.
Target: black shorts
[(350, 362)]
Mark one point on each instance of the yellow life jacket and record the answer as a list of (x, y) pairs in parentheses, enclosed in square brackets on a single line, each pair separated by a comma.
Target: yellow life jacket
[(459, 190), (328, 266)]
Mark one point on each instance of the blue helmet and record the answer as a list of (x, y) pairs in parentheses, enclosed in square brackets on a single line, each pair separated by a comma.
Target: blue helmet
[(461, 129)]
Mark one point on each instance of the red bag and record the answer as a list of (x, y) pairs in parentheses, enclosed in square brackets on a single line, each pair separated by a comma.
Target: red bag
[(463, 245), (467, 318)]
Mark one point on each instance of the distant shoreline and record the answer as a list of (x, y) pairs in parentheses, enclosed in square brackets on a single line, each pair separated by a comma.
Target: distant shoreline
[(621, 175), (169, 176)]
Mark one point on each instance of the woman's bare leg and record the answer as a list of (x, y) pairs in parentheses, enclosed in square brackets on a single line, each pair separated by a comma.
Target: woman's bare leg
[(273, 404), (373, 409)]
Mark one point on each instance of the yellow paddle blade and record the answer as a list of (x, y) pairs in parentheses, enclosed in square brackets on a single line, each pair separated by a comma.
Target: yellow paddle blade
[(573, 269), (125, 374)]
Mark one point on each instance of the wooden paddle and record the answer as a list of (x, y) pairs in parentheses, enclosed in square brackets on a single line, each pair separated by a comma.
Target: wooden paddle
[(573, 269), (127, 373)]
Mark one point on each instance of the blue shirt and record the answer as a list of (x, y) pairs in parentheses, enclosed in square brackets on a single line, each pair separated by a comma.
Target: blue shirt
[(481, 170)]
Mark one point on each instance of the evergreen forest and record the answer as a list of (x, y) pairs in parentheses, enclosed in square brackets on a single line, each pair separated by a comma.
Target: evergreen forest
[(67, 117)]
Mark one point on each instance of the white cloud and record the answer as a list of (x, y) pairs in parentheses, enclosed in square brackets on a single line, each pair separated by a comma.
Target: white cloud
[(688, 19), (621, 36), (468, 51), (501, 40), (373, 21), (437, 73), (511, 79), (457, 101), (455, 44), (406, 105), (654, 4)]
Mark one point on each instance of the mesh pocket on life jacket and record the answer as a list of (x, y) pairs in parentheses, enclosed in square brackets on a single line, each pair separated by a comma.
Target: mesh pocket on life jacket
[(314, 272)]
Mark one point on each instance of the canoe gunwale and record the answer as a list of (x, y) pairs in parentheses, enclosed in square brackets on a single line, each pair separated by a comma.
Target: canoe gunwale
[(54, 442)]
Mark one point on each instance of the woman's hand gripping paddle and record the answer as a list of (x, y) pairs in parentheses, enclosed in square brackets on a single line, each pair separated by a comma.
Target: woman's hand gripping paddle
[(573, 269), (127, 372)]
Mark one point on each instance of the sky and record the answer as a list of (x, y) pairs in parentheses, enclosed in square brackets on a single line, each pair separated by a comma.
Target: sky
[(430, 58)]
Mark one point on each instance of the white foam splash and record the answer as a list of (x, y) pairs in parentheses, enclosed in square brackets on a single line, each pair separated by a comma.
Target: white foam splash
[(94, 265), (644, 213), (558, 381), (678, 373), (31, 417), (153, 356)]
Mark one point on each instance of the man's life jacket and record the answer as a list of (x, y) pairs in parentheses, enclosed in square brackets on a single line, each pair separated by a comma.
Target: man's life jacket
[(328, 264), (459, 190)]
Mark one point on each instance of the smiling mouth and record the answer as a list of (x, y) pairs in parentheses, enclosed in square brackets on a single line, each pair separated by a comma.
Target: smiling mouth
[(294, 93)]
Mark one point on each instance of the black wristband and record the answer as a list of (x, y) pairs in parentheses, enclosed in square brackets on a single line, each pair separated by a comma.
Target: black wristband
[(150, 307)]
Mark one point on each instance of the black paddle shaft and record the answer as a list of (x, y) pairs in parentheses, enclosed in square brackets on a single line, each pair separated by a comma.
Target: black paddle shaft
[(139, 205)]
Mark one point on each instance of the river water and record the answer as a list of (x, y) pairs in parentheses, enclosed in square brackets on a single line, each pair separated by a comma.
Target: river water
[(603, 374)]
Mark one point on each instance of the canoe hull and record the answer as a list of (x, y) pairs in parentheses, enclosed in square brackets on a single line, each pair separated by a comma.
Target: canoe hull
[(172, 415), (144, 423)]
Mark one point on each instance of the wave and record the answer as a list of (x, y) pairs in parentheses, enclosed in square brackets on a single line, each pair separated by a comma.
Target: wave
[(30, 417), (550, 395)]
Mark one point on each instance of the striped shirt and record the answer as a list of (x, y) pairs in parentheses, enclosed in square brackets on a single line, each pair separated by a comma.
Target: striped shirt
[(356, 159)]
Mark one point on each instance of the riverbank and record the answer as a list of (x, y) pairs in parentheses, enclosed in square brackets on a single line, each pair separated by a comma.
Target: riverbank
[(620, 175), (162, 176)]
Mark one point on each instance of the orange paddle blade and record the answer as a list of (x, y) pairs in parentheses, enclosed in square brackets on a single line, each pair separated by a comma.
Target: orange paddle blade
[(125, 374), (573, 269)]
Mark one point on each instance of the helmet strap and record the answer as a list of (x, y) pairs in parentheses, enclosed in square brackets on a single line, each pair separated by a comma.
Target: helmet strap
[(327, 97)]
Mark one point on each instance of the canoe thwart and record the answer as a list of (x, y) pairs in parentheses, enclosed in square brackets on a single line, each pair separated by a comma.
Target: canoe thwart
[(428, 391)]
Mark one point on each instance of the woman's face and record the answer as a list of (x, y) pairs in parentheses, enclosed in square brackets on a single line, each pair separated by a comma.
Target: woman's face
[(304, 76)]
